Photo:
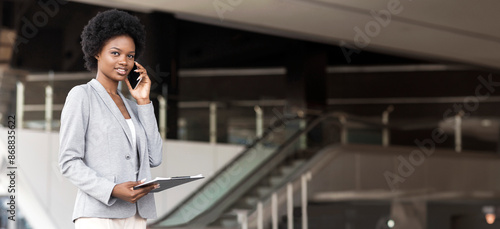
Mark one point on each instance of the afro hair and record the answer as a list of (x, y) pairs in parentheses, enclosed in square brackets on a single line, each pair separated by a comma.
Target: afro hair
[(108, 24)]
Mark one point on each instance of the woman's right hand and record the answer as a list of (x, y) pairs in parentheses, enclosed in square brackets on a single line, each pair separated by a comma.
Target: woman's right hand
[(125, 191)]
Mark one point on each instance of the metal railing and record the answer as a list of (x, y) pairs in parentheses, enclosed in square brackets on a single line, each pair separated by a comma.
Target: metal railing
[(254, 163)]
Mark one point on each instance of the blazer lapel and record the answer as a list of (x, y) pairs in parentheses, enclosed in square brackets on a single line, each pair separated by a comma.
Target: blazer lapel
[(101, 91), (137, 125)]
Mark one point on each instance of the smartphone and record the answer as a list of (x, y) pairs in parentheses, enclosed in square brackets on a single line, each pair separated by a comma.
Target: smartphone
[(133, 77)]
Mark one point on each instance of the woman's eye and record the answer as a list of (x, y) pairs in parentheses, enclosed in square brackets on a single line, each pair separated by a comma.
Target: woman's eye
[(115, 53), (131, 56)]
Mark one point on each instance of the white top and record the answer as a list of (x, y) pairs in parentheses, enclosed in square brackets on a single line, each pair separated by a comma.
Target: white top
[(134, 146), (132, 129)]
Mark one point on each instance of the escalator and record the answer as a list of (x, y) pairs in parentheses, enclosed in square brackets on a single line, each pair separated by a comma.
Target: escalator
[(285, 148)]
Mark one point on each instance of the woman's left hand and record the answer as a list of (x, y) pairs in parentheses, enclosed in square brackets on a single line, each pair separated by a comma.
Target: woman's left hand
[(141, 92)]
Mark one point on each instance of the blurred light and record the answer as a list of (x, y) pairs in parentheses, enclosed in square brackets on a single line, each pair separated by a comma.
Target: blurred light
[(390, 223), (490, 218), (489, 214), (301, 113), (485, 122)]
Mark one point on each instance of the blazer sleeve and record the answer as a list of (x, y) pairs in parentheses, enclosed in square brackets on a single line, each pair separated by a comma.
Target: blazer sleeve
[(74, 122), (154, 140)]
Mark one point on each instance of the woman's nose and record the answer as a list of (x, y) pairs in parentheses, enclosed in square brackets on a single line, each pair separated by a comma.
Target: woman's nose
[(122, 60)]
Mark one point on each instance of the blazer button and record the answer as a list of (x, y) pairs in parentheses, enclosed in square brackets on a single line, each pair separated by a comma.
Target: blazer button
[(127, 157)]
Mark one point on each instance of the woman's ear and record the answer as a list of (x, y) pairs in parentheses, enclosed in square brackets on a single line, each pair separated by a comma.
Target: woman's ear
[(96, 57)]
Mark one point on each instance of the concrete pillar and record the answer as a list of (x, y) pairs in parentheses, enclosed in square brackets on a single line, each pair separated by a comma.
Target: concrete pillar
[(306, 84), (306, 78), (162, 60)]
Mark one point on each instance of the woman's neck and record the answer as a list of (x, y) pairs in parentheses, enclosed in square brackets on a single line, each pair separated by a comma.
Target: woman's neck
[(111, 86)]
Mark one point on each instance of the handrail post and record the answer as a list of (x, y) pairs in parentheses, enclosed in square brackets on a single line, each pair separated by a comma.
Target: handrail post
[(458, 131), (303, 138), (213, 122), (242, 219), (289, 205), (19, 104), (386, 138), (259, 123), (163, 116), (48, 108), (274, 210), (304, 179), (260, 215), (343, 130)]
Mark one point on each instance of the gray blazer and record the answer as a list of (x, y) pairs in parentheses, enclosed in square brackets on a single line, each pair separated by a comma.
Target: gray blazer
[(96, 151)]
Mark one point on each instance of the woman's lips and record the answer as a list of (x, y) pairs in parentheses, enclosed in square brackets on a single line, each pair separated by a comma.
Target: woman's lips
[(121, 71)]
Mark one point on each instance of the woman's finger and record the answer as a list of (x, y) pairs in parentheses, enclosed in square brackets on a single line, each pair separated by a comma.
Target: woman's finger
[(139, 66)]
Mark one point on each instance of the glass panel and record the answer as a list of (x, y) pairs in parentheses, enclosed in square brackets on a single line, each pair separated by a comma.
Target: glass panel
[(232, 175)]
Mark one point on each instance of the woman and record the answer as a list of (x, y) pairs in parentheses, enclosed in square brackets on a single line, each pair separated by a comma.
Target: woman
[(107, 142)]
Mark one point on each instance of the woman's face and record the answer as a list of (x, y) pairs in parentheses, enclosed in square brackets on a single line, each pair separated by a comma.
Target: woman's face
[(116, 58)]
